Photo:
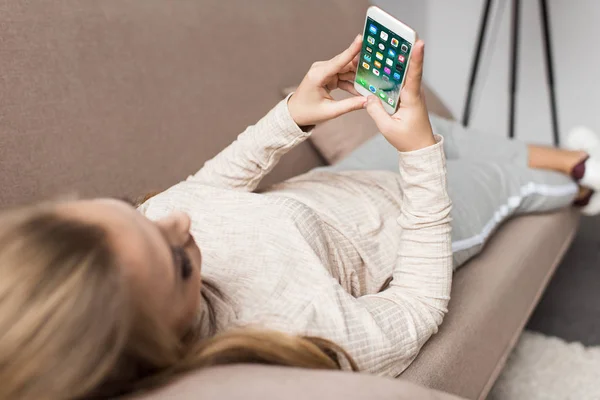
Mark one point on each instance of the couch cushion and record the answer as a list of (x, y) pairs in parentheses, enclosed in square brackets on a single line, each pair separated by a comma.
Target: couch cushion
[(247, 382), (492, 298)]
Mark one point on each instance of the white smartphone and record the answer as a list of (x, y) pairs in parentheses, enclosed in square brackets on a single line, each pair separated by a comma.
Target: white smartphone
[(384, 58)]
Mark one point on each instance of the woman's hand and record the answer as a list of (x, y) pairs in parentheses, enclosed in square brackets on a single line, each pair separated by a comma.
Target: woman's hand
[(312, 102), (409, 128)]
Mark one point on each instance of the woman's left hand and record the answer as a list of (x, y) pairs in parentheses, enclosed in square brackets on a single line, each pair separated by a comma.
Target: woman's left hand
[(312, 102)]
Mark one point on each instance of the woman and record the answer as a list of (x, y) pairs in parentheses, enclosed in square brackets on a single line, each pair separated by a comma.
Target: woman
[(331, 269)]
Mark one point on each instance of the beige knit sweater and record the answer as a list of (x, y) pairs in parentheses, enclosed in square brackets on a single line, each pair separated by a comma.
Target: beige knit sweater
[(311, 255)]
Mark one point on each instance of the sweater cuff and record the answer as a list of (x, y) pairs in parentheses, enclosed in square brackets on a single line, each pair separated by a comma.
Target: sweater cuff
[(425, 160), (423, 174), (286, 123)]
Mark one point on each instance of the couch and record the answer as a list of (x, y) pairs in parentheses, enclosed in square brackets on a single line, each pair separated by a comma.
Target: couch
[(124, 97)]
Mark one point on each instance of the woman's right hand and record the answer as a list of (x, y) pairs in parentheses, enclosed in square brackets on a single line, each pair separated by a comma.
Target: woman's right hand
[(409, 128)]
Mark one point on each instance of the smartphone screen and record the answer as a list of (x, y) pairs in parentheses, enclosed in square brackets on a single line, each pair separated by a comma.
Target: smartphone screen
[(382, 63)]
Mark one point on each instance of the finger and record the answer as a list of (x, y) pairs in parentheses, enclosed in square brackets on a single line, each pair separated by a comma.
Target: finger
[(337, 63), (337, 108), (355, 62), (414, 75), (380, 116), (349, 67), (348, 87), (332, 84), (347, 76)]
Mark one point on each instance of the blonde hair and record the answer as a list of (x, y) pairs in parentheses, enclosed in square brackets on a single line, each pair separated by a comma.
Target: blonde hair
[(70, 327)]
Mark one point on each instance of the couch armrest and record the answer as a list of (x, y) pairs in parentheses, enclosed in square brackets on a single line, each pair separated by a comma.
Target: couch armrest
[(246, 382)]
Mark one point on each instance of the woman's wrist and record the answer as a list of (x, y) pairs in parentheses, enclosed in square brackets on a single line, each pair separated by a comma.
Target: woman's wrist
[(296, 114), (427, 140), (423, 147)]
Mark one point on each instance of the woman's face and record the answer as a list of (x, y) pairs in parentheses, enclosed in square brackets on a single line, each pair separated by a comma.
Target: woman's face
[(160, 258)]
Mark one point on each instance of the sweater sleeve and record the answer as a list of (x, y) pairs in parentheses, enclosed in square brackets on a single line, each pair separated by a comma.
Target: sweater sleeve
[(385, 331), (254, 153)]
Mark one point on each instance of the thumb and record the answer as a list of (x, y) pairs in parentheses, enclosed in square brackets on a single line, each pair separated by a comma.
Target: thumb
[(342, 107), (380, 116)]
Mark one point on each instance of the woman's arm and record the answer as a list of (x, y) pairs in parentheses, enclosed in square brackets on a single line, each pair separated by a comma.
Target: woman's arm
[(410, 310), (385, 331), (255, 153)]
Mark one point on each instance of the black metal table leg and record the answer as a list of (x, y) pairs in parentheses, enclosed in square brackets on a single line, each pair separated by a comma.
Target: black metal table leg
[(475, 66), (549, 68), (516, 8)]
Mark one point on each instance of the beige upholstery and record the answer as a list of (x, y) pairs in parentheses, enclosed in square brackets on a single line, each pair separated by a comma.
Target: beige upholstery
[(264, 383), (121, 97)]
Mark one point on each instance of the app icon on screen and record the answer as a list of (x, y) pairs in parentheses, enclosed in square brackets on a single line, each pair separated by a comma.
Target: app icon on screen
[(390, 101), (401, 58), (363, 82), (387, 70), (375, 72), (385, 78), (391, 53), (373, 89), (367, 57), (381, 47), (379, 56), (373, 29), (366, 66), (389, 62), (382, 95), (394, 42), (370, 50), (371, 39), (399, 67), (384, 36), (404, 48), (377, 64), (396, 76)]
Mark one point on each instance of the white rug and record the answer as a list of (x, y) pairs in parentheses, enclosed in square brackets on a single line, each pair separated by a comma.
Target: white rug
[(548, 368)]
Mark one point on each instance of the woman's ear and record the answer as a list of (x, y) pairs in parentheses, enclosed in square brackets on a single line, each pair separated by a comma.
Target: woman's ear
[(176, 228)]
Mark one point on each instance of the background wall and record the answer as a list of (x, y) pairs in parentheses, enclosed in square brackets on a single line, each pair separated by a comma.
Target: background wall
[(450, 30)]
